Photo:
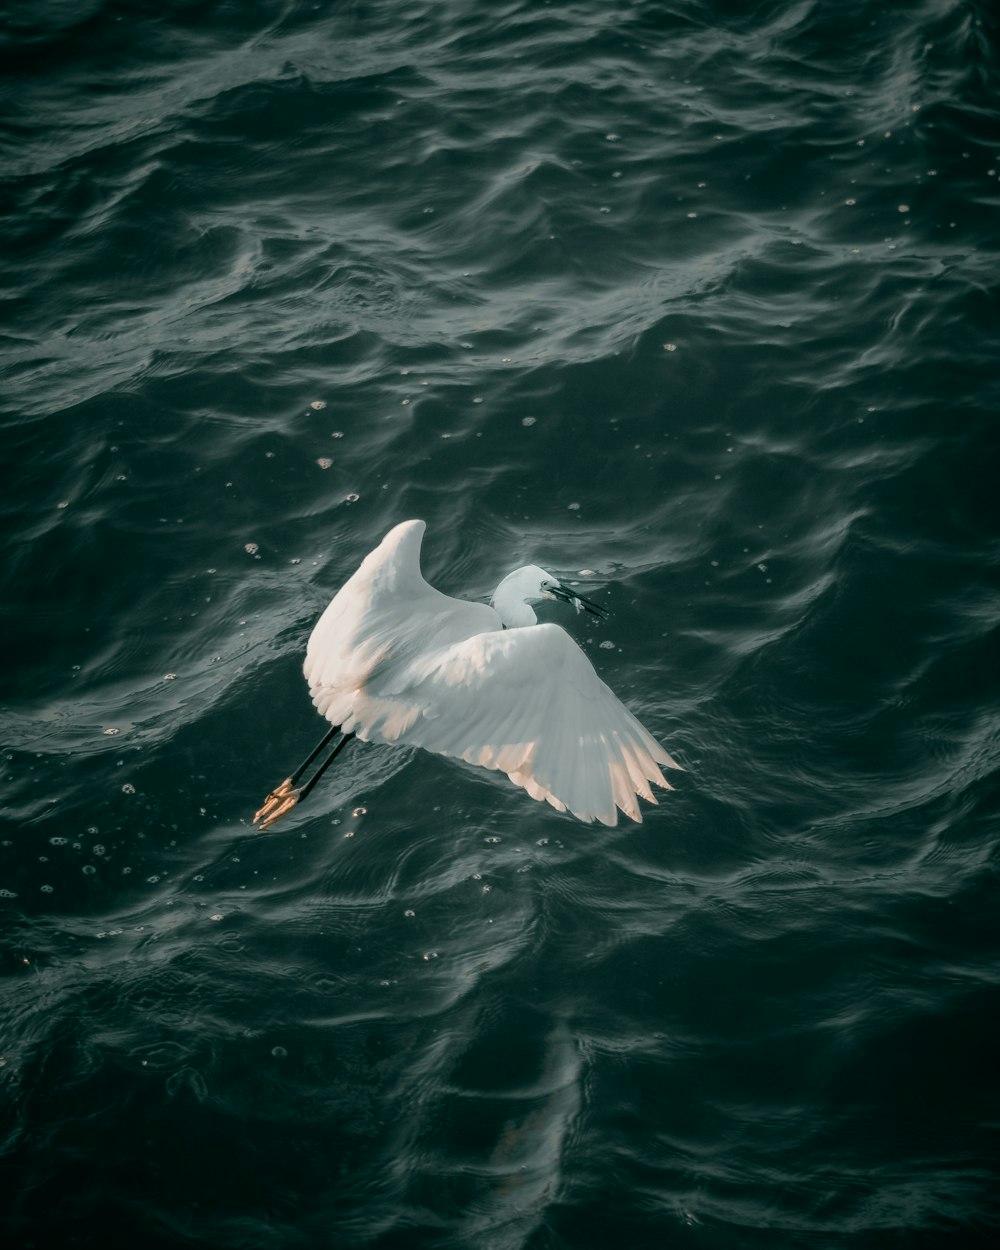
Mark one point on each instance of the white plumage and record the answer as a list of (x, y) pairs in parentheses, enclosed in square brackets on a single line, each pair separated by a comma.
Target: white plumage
[(393, 660)]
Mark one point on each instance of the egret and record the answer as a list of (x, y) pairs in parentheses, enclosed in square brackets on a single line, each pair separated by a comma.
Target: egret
[(393, 660)]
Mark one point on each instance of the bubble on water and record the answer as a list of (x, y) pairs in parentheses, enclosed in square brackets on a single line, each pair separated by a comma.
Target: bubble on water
[(279, 1052), (430, 955), (903, 208), (325, 462), (216, 916), (10, 893), (528, 420), (111, 731), (493, 839), (46, 889), (409, 913), (478, 399), (612, 137), (318, 405), (352, 498), (337, 434), (360, 811), (669, 347), (128, 788), (57, 841), (99, 849), (607, 645), (169, 676), (88, 870), (251, 548), (573, 507), (63, 503), (152, 880)]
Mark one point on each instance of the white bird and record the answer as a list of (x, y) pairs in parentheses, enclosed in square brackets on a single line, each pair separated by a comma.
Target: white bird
[(393, 660)]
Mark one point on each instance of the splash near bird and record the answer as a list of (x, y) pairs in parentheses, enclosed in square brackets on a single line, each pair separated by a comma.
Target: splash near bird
[(393, 660)]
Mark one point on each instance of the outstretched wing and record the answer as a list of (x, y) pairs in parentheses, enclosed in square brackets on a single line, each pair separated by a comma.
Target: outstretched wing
[(524, 701), (383, 618)]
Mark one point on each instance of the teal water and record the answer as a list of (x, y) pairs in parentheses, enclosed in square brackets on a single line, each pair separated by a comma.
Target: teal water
[(699, 297)]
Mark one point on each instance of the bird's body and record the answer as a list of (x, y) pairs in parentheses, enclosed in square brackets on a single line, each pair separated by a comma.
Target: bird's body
[(393, 660)]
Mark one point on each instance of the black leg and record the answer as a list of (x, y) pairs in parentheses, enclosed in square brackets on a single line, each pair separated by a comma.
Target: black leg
[(303, 792), (327, 738), (284, 797)]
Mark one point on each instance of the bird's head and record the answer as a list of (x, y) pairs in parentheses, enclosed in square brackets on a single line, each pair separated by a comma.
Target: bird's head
[(526, 585)]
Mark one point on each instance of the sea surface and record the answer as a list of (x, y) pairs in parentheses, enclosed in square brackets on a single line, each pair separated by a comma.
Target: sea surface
[(694, 301)]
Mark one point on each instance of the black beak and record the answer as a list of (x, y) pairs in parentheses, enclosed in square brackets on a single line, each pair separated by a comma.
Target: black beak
[(578, 601)]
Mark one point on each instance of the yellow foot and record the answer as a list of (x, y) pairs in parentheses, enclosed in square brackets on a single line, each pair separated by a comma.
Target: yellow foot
[(281, 799)]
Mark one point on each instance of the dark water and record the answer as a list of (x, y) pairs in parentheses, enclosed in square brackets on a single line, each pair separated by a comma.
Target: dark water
[(701, 297)]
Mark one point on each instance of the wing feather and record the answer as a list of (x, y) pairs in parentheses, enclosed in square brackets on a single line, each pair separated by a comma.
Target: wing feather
[(526, 702)]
